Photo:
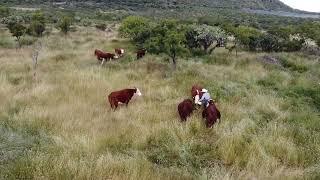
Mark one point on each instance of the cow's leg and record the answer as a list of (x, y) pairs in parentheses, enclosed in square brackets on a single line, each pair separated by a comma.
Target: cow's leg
[(127, 102), (116, 105), (204, 114), (102, 62), (210, 123)]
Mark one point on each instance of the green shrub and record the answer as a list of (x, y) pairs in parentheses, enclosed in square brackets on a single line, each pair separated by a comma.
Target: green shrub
[(6, 42), (135, 28), (27, 40), (65, 24), (293, 66)]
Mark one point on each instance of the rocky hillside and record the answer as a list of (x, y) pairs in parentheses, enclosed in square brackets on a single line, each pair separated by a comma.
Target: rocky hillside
[(163, 4)]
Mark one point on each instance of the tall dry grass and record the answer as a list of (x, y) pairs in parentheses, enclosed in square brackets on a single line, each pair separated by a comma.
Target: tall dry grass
[(59, 125)]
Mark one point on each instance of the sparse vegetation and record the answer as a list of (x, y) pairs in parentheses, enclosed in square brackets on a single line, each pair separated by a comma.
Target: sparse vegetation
[(65, 24)]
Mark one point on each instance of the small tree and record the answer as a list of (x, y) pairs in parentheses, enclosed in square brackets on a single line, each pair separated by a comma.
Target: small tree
[(38, 24), (167, 37), (17, 30), (269, 43), (248, 37), (65, 24), (4, 11), (289, 39), (86, 22), (204, 36), (311, 30), (135, 28)]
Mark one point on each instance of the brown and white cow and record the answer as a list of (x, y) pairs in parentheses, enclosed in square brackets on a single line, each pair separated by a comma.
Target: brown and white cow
[(119, 52), (141, 53), (185, 109), (104, 56), (123, 96), (211, 114), (196, 93)]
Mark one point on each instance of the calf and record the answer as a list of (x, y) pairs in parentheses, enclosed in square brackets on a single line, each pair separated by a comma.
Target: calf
[(119, 52), (211, 114), (122, 96), (141, 53), (185, 109)]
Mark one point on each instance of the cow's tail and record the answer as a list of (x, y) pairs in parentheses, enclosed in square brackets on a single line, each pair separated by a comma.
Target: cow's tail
[(219, 115), (110, 101)]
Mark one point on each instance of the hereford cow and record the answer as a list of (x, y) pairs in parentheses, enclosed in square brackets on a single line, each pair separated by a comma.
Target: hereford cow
[(104, 56), (141, 53), (211, 114), (185, 109), (122, 96), (196, 93), (119, 52)]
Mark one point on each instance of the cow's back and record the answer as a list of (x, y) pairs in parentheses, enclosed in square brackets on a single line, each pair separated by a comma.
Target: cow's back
[(185, 109), (212, 114), (121, 96)]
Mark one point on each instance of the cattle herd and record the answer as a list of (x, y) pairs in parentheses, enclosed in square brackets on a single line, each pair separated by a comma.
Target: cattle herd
[(119, 52), (185, 108)]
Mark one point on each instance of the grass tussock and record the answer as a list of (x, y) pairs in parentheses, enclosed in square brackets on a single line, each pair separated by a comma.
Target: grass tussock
[(60, 126)]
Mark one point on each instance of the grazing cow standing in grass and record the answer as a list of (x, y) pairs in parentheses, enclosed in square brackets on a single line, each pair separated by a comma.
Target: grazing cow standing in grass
[(103, 56), (141, 53), (119, 52), (185, 109), (211, 114), (122, 96)]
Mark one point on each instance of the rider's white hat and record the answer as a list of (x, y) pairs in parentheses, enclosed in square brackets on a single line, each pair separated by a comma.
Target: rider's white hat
[(204, 90)]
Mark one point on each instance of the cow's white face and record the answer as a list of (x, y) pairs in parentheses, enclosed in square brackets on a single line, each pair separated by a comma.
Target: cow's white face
[(122, 51), (138, 92), (196, 99)]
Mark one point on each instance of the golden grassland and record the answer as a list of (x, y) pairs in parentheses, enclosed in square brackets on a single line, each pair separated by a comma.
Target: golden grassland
[(59, 125)]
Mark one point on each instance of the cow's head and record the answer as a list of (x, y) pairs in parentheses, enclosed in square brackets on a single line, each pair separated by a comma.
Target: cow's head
[(138, 92)]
